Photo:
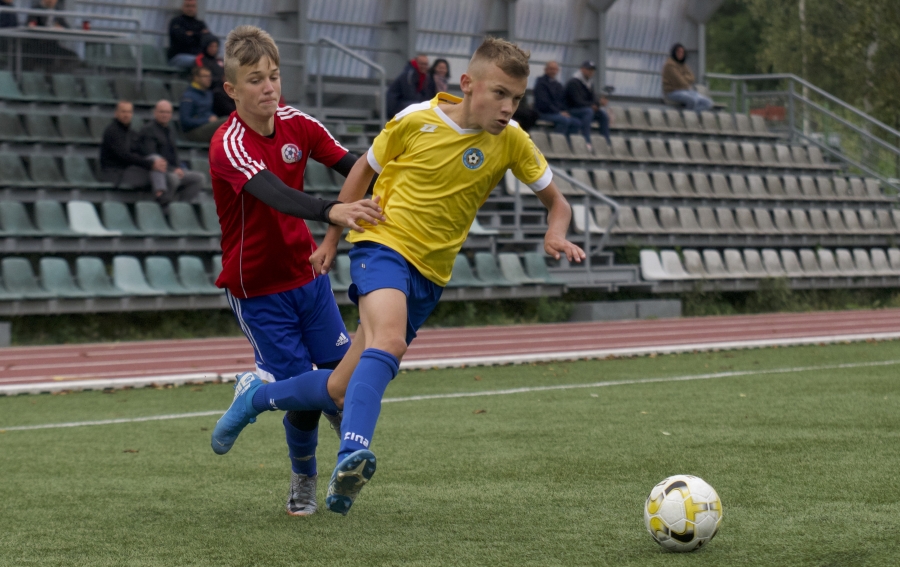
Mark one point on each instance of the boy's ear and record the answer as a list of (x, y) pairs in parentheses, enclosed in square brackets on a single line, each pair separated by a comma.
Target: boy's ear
[(229, 89), (465, 84)]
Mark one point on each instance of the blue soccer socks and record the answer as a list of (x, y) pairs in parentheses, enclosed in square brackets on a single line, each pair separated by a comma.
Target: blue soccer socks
[(308, 391), (239, 414), (362, 404), (301, 448)]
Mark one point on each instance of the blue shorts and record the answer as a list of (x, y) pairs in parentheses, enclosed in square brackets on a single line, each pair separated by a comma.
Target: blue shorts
[(292, 330), (375, 266)]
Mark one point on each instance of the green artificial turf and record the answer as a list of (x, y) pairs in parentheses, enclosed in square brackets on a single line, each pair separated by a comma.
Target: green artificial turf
[(806, 463)]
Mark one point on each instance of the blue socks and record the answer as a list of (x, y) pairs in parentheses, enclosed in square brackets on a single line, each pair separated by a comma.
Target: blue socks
[(301, 448), (362, 404), (308, 391)]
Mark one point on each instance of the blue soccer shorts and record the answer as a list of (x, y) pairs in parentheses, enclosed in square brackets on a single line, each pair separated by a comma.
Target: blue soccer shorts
[(292, 330), (375, 266)]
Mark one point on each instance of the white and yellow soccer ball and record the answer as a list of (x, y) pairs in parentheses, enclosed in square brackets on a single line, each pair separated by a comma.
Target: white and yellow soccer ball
[(683, 513)]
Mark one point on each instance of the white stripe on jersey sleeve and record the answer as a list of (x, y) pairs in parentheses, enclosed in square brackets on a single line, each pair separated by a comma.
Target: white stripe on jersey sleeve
[(229, 152), (373, 163), (240, 143)]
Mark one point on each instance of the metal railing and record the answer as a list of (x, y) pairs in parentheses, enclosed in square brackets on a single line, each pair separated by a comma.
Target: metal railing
[(811, 115), (327, 42)]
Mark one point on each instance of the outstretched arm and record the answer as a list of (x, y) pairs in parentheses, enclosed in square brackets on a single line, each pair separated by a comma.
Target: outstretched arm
[(559, 215), (354, 189)]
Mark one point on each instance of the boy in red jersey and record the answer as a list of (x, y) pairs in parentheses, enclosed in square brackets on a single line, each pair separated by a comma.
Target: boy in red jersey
[(286, 310)]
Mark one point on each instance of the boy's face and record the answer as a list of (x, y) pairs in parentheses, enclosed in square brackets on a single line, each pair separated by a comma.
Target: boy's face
[(495, 96), (257, 89)]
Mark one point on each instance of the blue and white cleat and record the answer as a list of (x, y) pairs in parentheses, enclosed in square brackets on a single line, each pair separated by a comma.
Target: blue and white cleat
[(239, 415), (348, 478)]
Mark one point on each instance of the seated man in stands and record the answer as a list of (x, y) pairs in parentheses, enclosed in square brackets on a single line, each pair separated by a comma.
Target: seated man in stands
[(409, 87), (583, 104), (185, 35), (678, 82), (120, 161), (550, 101), (157, 138), (198, 121)]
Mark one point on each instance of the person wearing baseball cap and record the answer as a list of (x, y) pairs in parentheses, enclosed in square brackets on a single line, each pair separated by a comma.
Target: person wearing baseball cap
[(583, 104)]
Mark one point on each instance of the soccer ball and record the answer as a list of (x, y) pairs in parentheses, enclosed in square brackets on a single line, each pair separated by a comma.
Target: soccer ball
[(683, 513)]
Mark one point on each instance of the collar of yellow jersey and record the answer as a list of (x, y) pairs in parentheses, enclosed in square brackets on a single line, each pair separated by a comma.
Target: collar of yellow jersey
[(448, 98)]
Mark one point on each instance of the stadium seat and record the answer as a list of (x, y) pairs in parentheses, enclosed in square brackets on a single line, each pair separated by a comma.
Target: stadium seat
[(809, 263), (657, 120), (658, 150), (9, 89), (709, 123), (318, 178), (745, 221), (669, 221), (560, 146), (150, 219), (880, 263), (772, 263), (759, 124), (693, 264), (639, 149), (748, 154), (734, 264), (477, 230), (764, 221), (782, 220), (177, 88), (636, 118), (56, 278), (774, 187), (672, 266), (14, 220), (800, 222), (536, 268), (675, 120), (715, 268), (98, 91), (767, 155), (647, 221), (339, 276), (488, 272), (127, 89), (97, 124), (193, 276), (701, 185), (183, 219), (153, 90), (756, 187), (885, 221), (601, 148), (682, 184), (743, 124), (845, 262), (726, 123), (678, 152), (511, 268), (129, 277), (41, 128), (117, 218), (696, 152), (791, 263), (462, 275), (78, 173), (651, 267), (580, 148), (50, 219), (783, 155), (161, 276), (603, 215), (74, 129), (35, 87), (603, 182), (873, 190), (618, 117), (622, 182), (800, 156), (739, 186), (808, 187), (83, 219), (826, 188), (815, 157), (19, 279), (91, 275), (726, 221), (217, 266), (66, 88), (792, 187), (852, 221), (714, 152), (11, 128), (662, 184), (827, 264), (754, 264), (45, 172), (209, 217), (817, 221), (733, 153), (579, 212), (863, 262), (619, 147), (835, 221), (706, 220), (841, 188), (868, 222)]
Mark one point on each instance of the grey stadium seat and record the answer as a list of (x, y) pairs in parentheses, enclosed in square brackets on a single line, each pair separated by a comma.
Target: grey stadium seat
[(827, 264), (50, 218), (672, 266), (714, 265), (511, 268), (161, 276), (129, 277), (14, 220), (651, 267), (863, 262), (56, 278), (706, 219), (462, 275), (193, 277), (536, 268), (734, 263), (83, 219), (12, 172), (488, 272), (792, 264), (19, 279), (809, 262), (693, 263), (754, 264), (772, 263)]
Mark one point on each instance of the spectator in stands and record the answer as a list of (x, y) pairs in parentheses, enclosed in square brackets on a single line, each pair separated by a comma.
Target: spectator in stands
[(46, 53), (121, 163), (198, 121), (158, 139), (185, 36), (583, 104), (526, 116), (550, 101), (678, 82), (8, 19), (438, 75), (409, 87), (223, 105)]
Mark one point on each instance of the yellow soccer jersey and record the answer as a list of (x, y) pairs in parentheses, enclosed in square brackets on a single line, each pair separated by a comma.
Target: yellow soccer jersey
[(435, 175)]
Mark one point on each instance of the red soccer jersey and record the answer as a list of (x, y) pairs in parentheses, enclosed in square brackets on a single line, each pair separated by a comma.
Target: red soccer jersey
[(265, 251)]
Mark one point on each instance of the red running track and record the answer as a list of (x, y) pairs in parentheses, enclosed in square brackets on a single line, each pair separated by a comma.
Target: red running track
[(455, 347)]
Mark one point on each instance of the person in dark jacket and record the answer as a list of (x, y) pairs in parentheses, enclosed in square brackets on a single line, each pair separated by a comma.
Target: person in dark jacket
[(583, 104), (46, 54), (185, 36), (121, 162), (437, 79), (198, 121), (550, 101), (223, 105), (157, 138), (8, 19), (409, 86)]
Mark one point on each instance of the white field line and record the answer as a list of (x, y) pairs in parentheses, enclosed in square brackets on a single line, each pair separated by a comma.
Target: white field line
[(506, 392)]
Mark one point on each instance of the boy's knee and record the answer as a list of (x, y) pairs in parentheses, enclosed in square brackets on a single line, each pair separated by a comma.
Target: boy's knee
[(394, 345)]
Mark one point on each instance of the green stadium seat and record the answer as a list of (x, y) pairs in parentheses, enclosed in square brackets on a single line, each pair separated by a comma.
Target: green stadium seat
[(209, 217), (66, 88), (121, 56), (126, 88), (96, 54), (184, 220), (153, 59), (74, 129), (45, 172), (116, 217), (11, 128), (318, 178), (96, 125), (201, 165), (511, 268), (57, 279), (129, 277), (35, 87), (488, 272), (50, 218), (154, 90), (14, 220), (78, 173), (161, 276), (92, 277), (41, 128), (216, 266), (177, 88), (193, 276), (83, 219), (19, 278), (536, 268), (462, 275), (150, 219), (6, 295), (98, 91), (12, 172), (9, 89)]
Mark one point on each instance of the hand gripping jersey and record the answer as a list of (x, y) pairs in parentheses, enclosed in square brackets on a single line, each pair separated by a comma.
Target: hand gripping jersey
[(435, 175), (265, 251)]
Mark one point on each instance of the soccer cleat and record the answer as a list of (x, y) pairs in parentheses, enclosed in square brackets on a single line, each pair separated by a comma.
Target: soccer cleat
[(335, 421), (348, 478), (239, 414), (302, 496)]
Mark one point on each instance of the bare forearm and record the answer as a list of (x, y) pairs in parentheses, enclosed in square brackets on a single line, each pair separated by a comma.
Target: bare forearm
[(559, 215), (354, 189)]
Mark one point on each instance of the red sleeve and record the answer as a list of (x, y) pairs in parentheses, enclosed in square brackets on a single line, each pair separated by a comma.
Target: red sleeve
[(323, 147), (231, 159)]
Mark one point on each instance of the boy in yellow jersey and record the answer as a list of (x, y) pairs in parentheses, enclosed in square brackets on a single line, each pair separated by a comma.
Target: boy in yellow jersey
[(438, 161)]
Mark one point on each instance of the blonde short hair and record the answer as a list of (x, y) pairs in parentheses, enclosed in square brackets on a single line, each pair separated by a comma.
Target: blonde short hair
[(509, 57), (246, 45)]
